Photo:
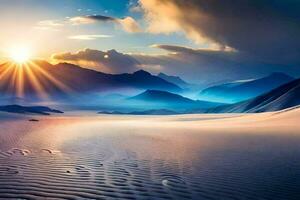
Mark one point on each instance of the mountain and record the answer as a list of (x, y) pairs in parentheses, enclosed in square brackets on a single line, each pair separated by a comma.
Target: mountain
[(283, 97), (41, 79), (155, 99), (161, 96), (112, 112), (233, 92), (154, 112), (144, 112), (174, 79), (42, 110)]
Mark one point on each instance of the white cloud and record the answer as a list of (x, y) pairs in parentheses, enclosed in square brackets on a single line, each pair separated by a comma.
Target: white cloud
[(106, 61), (81, 20), (88, 37), (129, 25), (53, 23)]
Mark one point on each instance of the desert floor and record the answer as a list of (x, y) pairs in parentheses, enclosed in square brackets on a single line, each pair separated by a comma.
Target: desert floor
[(87, 156)]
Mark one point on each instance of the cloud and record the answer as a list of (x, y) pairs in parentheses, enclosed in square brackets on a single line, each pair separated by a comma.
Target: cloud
[(88, 37), (134, 6), (128, 23), (53, 25), (205, 66), (201, 66), (181, 49), (106, 61), (81, 20), (267, 30), (94, 18), (135, 9)]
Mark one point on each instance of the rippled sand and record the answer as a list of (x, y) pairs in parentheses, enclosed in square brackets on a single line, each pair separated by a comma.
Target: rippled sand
[(255, 156)]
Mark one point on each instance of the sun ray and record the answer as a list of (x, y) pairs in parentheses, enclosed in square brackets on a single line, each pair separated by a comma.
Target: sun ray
[(4, 75), (21, 79), (13, 81), (41, 92), (20, 82), (58, 83), (6, 70)]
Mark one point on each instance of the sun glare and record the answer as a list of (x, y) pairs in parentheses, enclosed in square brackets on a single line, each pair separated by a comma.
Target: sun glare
[(20, 54)]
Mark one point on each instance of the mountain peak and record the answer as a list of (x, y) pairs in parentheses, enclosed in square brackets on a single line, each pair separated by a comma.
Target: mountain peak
[(142, 72), (173, 79), (158, 99), (162, 74), (165, 75), (149, 91), (62, 80)]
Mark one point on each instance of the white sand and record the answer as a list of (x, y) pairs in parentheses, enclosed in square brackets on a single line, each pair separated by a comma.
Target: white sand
[(185, 156)]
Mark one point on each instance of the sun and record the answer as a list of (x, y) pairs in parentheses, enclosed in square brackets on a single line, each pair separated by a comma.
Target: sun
[(20, 54)]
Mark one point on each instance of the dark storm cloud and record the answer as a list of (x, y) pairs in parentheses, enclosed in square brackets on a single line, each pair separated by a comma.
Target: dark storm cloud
[(207, 66), (266, 29), (187, 50), (92, 19), (101, 18), (128, 23)]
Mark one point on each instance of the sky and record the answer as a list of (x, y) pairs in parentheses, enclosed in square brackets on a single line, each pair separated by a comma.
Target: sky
[(47, 26), (202, 41)]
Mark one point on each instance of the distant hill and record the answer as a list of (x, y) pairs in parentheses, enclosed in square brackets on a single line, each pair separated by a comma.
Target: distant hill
[(161, 96), (144, 112), (155, 99), (175, 80), (40, 78), (42, 110), (283, 97), (233, 92), (154, 112)]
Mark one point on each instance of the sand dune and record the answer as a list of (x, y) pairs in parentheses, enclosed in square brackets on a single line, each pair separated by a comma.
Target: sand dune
[(283, 97), (244, 156)]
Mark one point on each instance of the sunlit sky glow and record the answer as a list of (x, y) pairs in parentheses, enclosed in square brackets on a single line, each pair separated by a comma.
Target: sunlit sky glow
[(201, 41), (45, 26), (20, 54)]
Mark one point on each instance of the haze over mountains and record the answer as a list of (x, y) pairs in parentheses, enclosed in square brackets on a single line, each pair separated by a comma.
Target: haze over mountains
[(165, 100), (66, 79), (236, 91), (285, 96), (143, 112), (175, 80), (161, 96), (141, 92)]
